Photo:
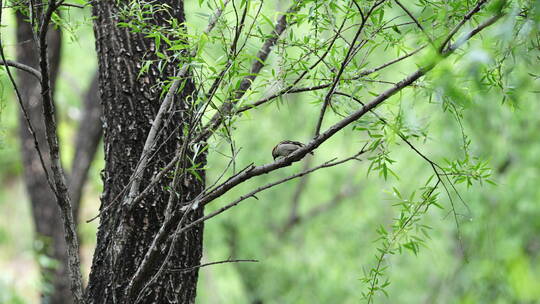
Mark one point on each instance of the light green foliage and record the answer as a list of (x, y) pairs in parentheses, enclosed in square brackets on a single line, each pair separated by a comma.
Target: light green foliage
[(433, 117), (8, 295)]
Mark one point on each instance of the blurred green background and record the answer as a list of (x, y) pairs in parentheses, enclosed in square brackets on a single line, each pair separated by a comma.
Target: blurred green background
[(492, 258)]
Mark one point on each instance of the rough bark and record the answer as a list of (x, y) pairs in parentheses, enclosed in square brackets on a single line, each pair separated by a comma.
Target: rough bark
[(130, 104)]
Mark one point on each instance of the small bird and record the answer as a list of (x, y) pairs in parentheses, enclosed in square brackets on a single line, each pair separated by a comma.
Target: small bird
[(286, 147)]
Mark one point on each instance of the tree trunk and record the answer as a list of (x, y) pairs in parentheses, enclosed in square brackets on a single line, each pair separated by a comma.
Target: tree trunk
[(46, 214), (130, 103)]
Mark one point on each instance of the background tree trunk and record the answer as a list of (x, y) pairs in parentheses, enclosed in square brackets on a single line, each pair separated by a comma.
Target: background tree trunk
[(46, 214), (130, 103), (45, 211), (87, 139)]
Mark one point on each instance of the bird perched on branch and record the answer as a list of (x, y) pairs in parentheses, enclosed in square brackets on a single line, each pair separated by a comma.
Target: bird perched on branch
[(285, 148)]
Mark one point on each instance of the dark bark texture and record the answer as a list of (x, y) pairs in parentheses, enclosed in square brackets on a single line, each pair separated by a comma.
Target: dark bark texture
[(130, 103)]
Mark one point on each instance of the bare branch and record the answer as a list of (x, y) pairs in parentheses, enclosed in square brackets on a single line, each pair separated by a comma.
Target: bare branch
[(22, 67), (328, 97), (212, 263), (389, 63), (76, 5), (62, 193)]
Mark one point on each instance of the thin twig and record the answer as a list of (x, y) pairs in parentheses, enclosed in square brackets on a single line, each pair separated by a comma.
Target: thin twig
[(330, 93), (25, 112), (292, 221), (210, 264), (415, 21), (22, 67), (248, 80), (462, 40), (268, 186), (466, 18), (292, 90), (377, 271)]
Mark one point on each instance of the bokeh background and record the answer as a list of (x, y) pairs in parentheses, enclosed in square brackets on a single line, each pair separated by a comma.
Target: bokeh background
[(492, 258)]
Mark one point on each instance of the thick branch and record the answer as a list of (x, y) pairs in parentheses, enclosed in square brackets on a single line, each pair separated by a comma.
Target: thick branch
[(268, 186), (292, 90), (318, 140), (62, 193)]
